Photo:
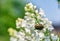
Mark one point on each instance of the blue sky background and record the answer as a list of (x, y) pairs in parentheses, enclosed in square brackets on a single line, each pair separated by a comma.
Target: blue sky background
[(50, 8)]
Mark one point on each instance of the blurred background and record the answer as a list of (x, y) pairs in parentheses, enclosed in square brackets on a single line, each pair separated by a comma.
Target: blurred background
[(10, 10)]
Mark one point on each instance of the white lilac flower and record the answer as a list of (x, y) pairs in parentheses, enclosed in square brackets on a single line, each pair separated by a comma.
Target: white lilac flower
[(33, 39), (34, 7), (54, 37), (36, 32), (28, 30), (28, 7), (15, 33), (41, 12), (52, 34), (36, 11), (47, 38), (50, 22), (28, 38), (21, 39), (24, 23), (20, 35), (30, 23), (46, 26), (13, 39), (38, 17), (44, 30), (18, 23), (27, 13), (37, 37), (42, 23), (12, 32), (45, 19), (26, 26), (31, 20), (26, 17), (50, 28), (32, 15), (32, 34), (41, 35)]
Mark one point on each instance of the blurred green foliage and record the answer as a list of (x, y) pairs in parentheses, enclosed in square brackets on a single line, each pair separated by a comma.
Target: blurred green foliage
[(58, 0), (10, 10)]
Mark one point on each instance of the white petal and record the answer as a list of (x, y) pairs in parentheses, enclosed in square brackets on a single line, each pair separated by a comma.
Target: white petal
[(34, 7), (13, 39), (36, 11), (27, 13)]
